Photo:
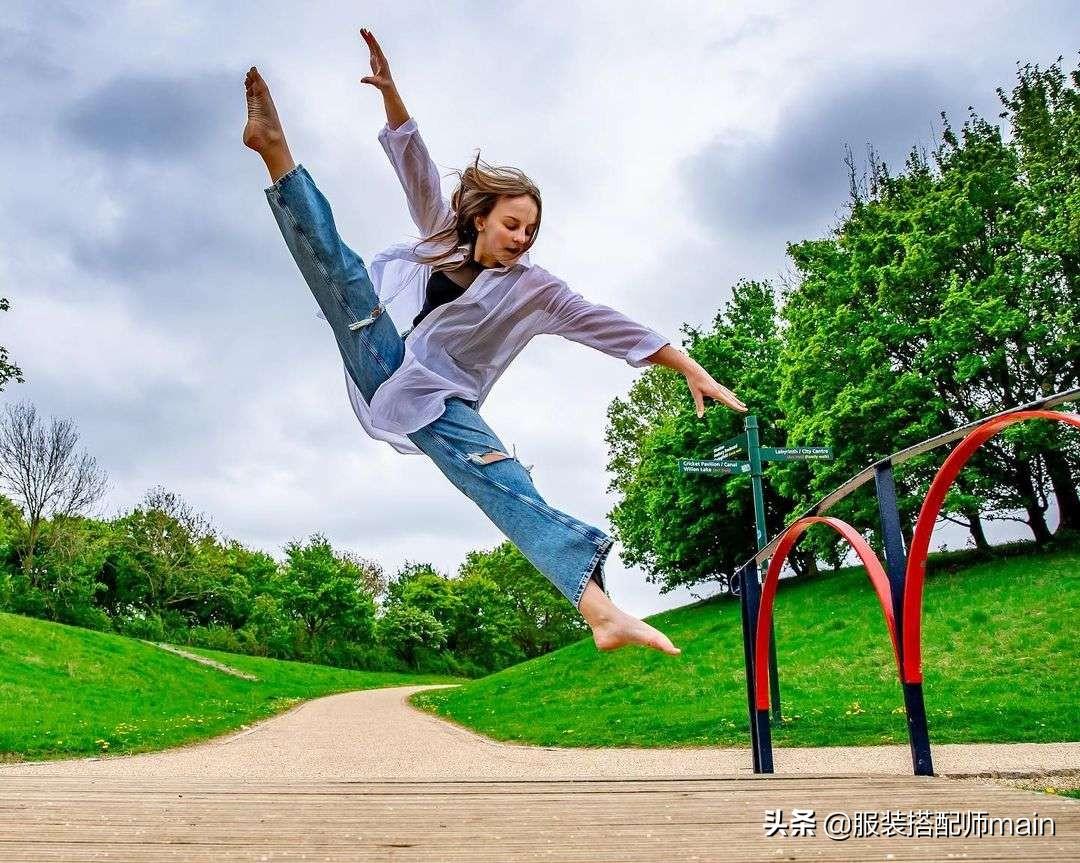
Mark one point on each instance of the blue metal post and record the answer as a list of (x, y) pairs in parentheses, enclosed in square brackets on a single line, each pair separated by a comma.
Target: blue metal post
[(896, 565), (749, 600), (892, 537), (748, 626)]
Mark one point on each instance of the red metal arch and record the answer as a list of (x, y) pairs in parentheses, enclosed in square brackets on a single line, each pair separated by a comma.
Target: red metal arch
[(924, 527), (788, 538)]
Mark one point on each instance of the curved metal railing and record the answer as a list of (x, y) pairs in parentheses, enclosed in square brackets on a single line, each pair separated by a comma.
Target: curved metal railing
[(899, 589), (866, 474)]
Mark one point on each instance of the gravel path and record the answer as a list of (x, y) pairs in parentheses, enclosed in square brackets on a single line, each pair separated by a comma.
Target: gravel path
[(376, 734)]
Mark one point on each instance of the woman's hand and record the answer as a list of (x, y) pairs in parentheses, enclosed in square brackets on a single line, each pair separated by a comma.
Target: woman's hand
[(396, 114), (700, 381), (701, 384), (380, 66)]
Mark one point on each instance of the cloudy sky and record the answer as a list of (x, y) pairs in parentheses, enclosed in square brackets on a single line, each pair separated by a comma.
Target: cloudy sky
[(678, 146)]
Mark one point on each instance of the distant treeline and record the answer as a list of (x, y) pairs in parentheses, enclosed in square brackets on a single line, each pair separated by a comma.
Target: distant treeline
[(948, 291), (160, 572)]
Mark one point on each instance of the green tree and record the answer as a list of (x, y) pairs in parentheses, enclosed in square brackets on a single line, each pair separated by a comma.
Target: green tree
[(409, 631), (158, 563), (12, 529), (271, 627), (418, 612), (404, 576), (8, 369), (69, 570), (932, 305), (1044, 113), (477, 620), (688, 529), (232, 576), (485, 628), (327, 592), (542, 620), (432, 591)]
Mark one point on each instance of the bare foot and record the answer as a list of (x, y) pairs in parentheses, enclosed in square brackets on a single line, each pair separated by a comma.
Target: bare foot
[(263, 130), (613, 628), (626, 629)]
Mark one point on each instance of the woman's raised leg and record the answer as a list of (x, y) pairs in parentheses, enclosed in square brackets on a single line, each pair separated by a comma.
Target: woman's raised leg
[(568, 552), (367, 339)]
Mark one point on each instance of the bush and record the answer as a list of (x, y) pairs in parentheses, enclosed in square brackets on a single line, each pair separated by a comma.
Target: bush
[(362, 657), (215, 637), (152, 626), (88, 617), (24, 598)]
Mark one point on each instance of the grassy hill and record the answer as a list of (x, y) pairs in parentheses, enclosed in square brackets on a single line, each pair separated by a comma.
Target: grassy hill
[(68, 692), (1000, 660)]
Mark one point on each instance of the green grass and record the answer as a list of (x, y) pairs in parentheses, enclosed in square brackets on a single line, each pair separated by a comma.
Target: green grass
[(1000, 660), (68, 692)]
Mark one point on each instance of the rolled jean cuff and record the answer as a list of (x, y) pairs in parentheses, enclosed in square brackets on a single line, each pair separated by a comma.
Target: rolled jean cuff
[(284, 178), (603, 547)]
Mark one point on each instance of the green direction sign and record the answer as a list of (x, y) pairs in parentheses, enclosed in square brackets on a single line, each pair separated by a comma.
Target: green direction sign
[(730, 447), (795, 453), (720, 466)]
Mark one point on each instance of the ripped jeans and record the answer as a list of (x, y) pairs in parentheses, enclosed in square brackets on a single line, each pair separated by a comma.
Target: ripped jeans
[(567, 551)]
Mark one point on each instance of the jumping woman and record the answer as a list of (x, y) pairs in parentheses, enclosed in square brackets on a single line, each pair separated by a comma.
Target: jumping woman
[(472, 300)]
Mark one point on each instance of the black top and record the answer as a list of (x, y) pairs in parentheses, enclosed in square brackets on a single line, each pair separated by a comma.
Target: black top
[(442, 289)]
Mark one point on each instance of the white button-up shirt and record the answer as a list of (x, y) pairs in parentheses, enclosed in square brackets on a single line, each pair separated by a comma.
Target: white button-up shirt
[(462, 347)]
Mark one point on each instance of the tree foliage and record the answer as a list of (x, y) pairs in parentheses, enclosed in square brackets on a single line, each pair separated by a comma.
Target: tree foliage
[(944, 296), (327, 592), (948, 291), (8, 369), (540, 618), (687, 529)]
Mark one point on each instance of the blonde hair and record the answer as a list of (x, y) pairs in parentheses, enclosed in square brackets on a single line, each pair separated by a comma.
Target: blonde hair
[(480, 186)]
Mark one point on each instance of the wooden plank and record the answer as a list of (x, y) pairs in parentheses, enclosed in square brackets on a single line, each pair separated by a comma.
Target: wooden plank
[(68, 818)]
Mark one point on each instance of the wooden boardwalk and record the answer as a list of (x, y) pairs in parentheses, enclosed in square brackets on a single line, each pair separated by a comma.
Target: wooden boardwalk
[(680, 819)]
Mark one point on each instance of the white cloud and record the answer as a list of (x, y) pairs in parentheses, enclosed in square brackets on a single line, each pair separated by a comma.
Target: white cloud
[(99, 347)]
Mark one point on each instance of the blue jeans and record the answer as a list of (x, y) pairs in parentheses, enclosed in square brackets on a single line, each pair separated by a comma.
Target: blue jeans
[(567, 551)]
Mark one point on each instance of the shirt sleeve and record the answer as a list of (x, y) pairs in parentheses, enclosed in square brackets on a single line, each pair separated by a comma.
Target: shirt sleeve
[(418, 175), (603, 328)]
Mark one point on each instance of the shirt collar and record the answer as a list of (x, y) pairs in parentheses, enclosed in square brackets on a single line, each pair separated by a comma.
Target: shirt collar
[(523, 262)]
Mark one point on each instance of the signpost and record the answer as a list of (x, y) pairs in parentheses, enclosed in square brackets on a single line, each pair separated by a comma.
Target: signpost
[(729, 447), (724, 465), (795, 453)]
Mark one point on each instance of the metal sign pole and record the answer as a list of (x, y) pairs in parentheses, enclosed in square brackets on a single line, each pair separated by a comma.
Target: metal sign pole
[(723, 463), (753, 450)]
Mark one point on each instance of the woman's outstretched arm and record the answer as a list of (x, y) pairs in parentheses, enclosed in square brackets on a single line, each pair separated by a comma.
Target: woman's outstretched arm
[(613, 333), (381, 79), (406, 150)]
